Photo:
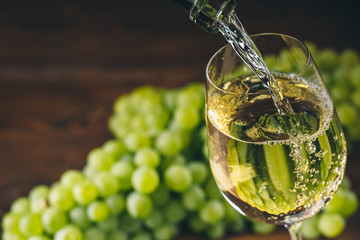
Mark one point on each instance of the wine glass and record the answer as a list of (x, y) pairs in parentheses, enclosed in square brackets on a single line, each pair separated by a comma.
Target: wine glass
[(278, 168)]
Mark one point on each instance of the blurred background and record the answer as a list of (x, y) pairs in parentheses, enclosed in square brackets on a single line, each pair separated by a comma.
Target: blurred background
[(63, 64)]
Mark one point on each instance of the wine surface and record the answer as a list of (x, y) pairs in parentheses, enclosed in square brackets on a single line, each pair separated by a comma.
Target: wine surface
[(277, 168)]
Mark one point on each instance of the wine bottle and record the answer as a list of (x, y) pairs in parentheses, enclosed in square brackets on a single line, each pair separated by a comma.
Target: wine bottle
[(207, 13)]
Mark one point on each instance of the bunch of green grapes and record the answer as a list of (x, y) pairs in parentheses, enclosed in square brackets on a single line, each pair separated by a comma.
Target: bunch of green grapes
[(152, 181)]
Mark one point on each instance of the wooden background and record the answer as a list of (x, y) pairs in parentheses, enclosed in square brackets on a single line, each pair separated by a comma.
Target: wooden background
[(63, 63)]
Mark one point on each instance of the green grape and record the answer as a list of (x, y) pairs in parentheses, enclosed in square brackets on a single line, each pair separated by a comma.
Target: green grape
[(165, 232), (85, 192), (196, 224), (345, 183), (98, 211), (174, 212), (115, 147), (30, 224), (147, 157), (116, 203), (347, 114), (71, 177), (109, 224), (90, 172), (10, 222), (212, 212), (309, 228), (156, 120), (117, 235), (178, 159), (326, 59), (123, 170), (141, 236), (216, 231), (78, 216), (193, 198), (69, 232), (38, 205), (39, 192), (169, 142), (331, 224), (129, 224), (20, 205), (349, 58), (106, 184), (262, 228), (235, 221), (187, 117), (61, 197), (138, 205), (100, 160), (340, 92), (145, 179), (344, 202), (155, 219), (178, 178), (212, 190), (94, 233), (53, 219), (199, 171), (161, 195), (192, 95), (12, 236), (354, 75), (137, 140), (42, 237)]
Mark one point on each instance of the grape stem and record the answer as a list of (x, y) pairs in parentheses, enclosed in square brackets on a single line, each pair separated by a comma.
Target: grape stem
[(294, 230)]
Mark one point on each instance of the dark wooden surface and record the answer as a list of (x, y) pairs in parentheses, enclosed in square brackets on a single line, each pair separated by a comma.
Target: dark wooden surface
[(63, 63)]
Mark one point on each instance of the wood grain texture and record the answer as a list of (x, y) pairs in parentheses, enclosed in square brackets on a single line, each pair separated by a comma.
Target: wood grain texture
[(63, 64)]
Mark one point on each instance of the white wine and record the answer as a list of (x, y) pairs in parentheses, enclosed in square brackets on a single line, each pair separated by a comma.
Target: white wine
[(277, 168)]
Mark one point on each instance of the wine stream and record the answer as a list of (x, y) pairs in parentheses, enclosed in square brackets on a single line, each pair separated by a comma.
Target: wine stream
[(235, 34)]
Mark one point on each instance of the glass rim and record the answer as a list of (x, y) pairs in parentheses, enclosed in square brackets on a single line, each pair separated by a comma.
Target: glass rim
[(306, 51)]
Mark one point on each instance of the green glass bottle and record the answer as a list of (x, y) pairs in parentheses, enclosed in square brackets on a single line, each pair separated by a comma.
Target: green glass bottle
[(207, 13)]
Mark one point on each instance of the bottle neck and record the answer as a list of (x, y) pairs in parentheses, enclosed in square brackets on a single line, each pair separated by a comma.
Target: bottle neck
[(208, 13)]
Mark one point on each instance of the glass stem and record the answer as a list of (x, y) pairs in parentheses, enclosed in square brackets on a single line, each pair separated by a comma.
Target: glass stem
[(294, 231)]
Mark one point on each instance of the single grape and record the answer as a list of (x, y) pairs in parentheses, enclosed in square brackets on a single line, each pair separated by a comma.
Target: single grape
[(216, 231), (39, 192), (109, 224), (38, 205), (165, 232), (53, 219), (85, 192), (116, 203), (71, 178), (94, 233), (212, 212), (262, 228), (174, 212), (344, 202), (187, 117), (145, 179), (178, 178), (193, 198), (20, 205), (98, 211), (155, 219), (138, 205), (147, 157), (106, 184), (61, 197), (100, 160), (169, 142), (69, 232), (349, 58), (309, 228), (123, 170), (78, 216), (331, 224), (137, 140), (199, 171), (115, 147), (30, 224), (192, 95), (10, 222), (117, 235)]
